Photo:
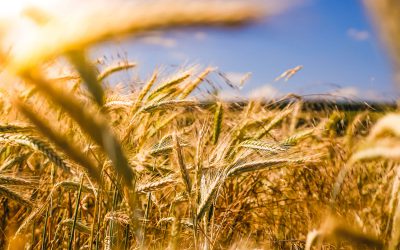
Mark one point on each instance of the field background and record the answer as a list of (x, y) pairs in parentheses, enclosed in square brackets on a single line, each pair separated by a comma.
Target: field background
[(85, 164)]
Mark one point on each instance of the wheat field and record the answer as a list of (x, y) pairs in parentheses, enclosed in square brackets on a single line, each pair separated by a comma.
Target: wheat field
[(88, 165)]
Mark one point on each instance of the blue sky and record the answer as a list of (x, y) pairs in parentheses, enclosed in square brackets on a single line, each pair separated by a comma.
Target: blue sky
[(333, 40)]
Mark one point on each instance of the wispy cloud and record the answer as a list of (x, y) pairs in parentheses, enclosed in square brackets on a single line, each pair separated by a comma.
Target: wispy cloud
[(347, 92), (354, 93), (159, 40), (200, 35), (358, 35), (230, 95), (269, 92), (376, 96), (265, 92), (178, 55)]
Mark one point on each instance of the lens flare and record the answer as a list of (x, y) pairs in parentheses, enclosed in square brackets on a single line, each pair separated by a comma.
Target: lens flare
[(13, 9)]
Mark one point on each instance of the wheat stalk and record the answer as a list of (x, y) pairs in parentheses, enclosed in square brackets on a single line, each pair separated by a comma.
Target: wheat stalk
[(187, 90), (155, 185), (38, 145), (264, 146), (4, 191), (70, 150), (180, 162), (95, 126), (128, 18), (79, 226), (259, 165), (114, 68), (11, 180)]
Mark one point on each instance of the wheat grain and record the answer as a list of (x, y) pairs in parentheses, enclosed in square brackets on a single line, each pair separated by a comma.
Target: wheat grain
[(217, 122), (4, 191), (155, 185), (11, 180), (38, 145), (114, 68), (181, 164)]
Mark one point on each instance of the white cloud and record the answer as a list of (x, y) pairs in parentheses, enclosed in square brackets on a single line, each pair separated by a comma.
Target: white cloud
[(178, 55), (269, 92), (265, 92), (200, 35), (359, 94), (230, 95), (159, 40), (358, 35), (373, 95), (347, 92)]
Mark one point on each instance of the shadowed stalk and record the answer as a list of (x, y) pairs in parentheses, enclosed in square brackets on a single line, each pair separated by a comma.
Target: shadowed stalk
[(175, 230), (72, 236), (126, 238), (217, 122), (88, 73), (111, 222), (94, 126), (180, 162), (44, 229), (146, 218), (98, 222), (10, 128), (60, 141), (4, 191)]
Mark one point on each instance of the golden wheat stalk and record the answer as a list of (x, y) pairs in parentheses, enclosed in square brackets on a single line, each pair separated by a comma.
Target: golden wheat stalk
[(79, 226), (332, 229), (72, 151), (208, 194), (39, 145), (277, 119), (180, 162), (218, 115), (260, 165), (12, 128), (155, 185), (120, 217), (394, 213), (388, 124), (264, 146), (95, 126), (297, 137), (4, 191), (88, 73), (188, 89), (145, 90), (12, 180), (65, 34), (169, 84), (72, 186), (114, 68), (169, 104)]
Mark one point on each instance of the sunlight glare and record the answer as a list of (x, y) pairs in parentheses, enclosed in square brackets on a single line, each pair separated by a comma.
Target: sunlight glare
[(12, 9)]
